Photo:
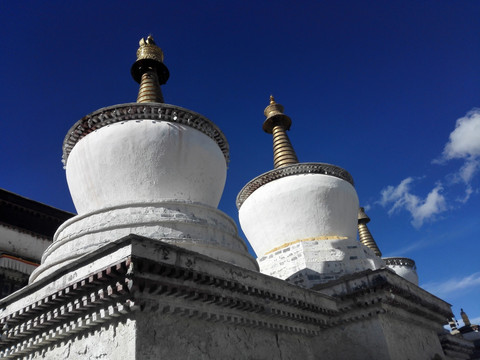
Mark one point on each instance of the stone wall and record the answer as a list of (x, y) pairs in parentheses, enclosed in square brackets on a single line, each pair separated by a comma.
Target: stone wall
[(137, 298), (113, 341)]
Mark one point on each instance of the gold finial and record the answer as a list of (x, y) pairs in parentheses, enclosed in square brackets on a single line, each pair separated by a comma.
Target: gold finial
[(465, 318), (149, 50), (149, 71), (364, 234), (277, 123)]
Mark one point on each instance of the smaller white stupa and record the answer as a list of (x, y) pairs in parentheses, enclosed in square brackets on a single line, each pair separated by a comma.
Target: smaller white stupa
[(301, 218), (146, 168), (402, 266)]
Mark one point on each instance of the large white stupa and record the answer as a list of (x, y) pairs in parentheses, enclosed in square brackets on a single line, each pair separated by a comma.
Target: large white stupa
[(301, 218), (146, 168)]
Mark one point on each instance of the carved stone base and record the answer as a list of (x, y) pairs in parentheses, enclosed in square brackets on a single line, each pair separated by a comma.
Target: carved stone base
[(189, 225), (139, 298)]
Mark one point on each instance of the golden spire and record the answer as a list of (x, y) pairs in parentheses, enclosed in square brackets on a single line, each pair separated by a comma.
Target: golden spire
[(364, 234), (149, 71), (277, 123), (465, 318)]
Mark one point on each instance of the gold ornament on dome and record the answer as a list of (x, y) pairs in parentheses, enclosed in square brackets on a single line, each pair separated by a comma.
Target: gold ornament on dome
[(149, 50)]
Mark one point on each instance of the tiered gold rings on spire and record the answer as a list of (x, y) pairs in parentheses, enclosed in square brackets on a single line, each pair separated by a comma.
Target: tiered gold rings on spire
[(364, 234), (277, 123), (149, 71)]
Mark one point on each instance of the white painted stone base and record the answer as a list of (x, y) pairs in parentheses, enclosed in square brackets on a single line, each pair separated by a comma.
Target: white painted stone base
[(312, 262), (114, 341), (193, 226), (16, 242), (139, 298)]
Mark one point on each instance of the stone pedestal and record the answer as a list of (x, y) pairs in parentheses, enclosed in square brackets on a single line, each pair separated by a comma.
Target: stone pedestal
[(138, 298)]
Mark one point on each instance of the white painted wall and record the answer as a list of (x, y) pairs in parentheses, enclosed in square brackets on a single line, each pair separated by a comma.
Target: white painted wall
[(16, 242), (196, 227), (135, 161), (299, 207)]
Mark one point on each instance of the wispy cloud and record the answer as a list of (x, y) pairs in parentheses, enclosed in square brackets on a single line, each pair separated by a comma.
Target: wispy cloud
[(409, 248), (400, 197), (453, 286), (464, 141), (464, 144)]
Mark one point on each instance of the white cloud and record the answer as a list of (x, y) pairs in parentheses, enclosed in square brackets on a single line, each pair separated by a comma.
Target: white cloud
[(422, 210), (453, 286), (469, 169), (409, 248), (464, 142), (468, 192)]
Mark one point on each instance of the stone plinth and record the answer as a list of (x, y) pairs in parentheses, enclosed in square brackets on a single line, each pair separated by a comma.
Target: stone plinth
[(139, 298), (318, 260), (193, 226)]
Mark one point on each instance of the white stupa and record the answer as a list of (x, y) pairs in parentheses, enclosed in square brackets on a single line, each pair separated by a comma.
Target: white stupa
[(301, 218), (146, 168), (402, 266)]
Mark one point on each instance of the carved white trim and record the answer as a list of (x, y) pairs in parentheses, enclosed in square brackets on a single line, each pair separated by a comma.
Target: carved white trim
[(296, 169), (142, 111)]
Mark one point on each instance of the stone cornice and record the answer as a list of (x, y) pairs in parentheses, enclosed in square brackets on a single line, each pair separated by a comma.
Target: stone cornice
[(290, 170), (71, 310), (148, 275), (456, 346), (400, 261), (385, 287), (142, 111), (172, 280)]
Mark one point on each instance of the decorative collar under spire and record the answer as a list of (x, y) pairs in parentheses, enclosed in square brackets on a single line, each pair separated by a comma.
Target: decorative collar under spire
[(149, 71), (364, 234), (277, 123)]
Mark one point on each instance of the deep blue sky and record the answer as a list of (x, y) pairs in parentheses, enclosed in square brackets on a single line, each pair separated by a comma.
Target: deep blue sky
[(373, 86)]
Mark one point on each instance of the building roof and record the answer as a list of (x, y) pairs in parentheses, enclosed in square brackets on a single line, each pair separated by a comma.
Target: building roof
[(29, 215)]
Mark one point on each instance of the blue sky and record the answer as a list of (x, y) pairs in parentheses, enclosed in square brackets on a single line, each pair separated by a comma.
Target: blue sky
[(376, 87)]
